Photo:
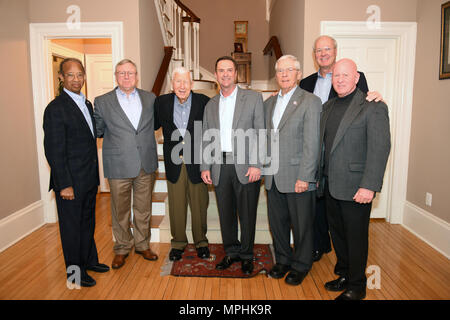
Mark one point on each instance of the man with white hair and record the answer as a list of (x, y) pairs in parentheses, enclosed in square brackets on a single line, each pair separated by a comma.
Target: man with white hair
[(178, 113), (292, 120)]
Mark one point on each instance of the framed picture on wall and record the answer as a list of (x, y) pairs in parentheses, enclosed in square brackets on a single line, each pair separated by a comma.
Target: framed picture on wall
[(444, 67)]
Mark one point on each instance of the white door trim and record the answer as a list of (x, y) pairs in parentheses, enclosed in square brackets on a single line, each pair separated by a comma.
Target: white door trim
[(40, 33), (405, 33)]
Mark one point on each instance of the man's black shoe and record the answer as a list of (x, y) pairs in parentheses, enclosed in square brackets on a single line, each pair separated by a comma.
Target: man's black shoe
[(339, 284), (227, 262), (203, 252), (247, 266), (99, 267), (295, 277), (175, 254), (352, 294), (279, 270)]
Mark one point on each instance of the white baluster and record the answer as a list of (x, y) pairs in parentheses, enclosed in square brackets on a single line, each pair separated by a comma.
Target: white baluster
[(196, 45), (179, 45), (187, 45)]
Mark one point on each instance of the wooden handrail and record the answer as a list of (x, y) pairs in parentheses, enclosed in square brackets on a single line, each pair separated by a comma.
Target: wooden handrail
[(275, 45), (192, 17), (159, 81)]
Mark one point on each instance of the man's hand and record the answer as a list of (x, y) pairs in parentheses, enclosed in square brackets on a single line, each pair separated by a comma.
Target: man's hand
[(206, 177), (253, 174), (301, 186), (364, 196), (67, 193), (374, 95)]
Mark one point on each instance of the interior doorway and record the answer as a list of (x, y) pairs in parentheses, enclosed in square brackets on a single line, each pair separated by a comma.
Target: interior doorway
[(387, 56), (41, 37)]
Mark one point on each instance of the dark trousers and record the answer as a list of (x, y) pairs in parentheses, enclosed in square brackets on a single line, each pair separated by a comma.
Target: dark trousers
[(237, 201), (76, 226), (322, 240), (349, 228), (296, 211)]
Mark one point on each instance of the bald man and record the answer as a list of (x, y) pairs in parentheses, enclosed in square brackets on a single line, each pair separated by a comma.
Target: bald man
[(319, 83), (355, 144)]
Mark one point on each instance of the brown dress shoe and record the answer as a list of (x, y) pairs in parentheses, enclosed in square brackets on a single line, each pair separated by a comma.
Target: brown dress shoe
[(148, 254), (118, 261)]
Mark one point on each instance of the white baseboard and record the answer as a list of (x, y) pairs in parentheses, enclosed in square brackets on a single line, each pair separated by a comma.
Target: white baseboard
[(434, 231), (20, 224)]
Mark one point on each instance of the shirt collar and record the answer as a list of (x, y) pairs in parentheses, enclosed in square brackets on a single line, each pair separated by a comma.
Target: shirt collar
[(186, 103), (327, 76), (134, 92), (232, 95), (287, 95), (75, 96)]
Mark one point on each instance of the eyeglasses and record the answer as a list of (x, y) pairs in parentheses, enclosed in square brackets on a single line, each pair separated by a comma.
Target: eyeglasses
[(128, 73), (320, 50), (71, 76), (290, 69)]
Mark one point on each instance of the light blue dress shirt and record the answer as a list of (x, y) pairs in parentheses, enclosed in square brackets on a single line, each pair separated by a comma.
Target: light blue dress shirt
[(226, 113), (280, 107), (131, 105), (181, 112), (323, 87), (80, 101)]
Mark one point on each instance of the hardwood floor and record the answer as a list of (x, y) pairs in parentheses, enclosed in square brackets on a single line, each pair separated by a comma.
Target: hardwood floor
[(34, 269)]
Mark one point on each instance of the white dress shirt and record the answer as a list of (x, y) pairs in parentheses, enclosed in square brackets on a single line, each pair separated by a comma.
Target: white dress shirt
[(323, 86), (226, 113), (131, 105), (280, 107), (80, 101)]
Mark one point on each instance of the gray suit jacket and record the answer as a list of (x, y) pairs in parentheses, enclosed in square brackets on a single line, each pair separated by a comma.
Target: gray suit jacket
[(248, 116), (360, 149), (297, 139), (125, 149)]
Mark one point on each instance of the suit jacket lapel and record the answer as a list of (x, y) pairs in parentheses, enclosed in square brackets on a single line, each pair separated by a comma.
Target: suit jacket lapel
[(194, 110), (215, 110), (80, 114), (116, 105), (292, 105), (240, 99), (269, 123), (353, 110)]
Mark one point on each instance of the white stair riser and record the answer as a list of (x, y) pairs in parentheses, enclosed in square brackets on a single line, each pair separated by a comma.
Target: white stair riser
[(160, 186)]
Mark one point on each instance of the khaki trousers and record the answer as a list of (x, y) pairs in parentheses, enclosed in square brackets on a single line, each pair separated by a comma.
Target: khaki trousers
[(182, 193), (141, 188)]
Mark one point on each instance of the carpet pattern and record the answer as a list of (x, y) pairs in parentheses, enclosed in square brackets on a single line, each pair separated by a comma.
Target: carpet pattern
[(192, 266)]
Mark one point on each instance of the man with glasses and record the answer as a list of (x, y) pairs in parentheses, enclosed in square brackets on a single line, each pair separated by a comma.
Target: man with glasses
[(71, 150), (125, 120), (293, 120), (319, 83)]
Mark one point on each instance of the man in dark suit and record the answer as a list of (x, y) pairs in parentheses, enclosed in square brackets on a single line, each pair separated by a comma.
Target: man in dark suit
[(71, 151), (178, 113), (355, 144), (233, 165), (319, 83)]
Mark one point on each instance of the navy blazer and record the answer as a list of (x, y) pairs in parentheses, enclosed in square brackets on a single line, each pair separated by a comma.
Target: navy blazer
[(164, 106), (70, 147), (309, 83)]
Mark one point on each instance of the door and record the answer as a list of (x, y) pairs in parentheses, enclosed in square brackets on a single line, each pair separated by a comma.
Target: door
[(377, 59), (100, 80)]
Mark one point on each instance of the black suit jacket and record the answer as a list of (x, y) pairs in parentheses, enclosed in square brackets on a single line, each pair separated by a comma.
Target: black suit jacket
[(164, 118), (70, 147), (309, 83)]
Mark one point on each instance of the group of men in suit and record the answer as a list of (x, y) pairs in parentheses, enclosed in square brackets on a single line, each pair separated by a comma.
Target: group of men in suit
[(338, 150)]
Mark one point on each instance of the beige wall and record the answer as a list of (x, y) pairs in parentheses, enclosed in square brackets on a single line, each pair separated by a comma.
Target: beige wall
[(19, 183), (429, 157), (86, 46), (217, 31), (286, 22)]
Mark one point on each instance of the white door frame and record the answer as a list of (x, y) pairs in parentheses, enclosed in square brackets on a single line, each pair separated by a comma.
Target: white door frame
[(40, 33), (405, 33)]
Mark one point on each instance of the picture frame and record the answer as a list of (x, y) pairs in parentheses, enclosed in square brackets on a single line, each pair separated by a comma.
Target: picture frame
[(238, 47), (444, 65)]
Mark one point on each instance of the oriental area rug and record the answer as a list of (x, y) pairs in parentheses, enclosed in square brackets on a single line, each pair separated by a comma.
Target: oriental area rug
[(192, 266)]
